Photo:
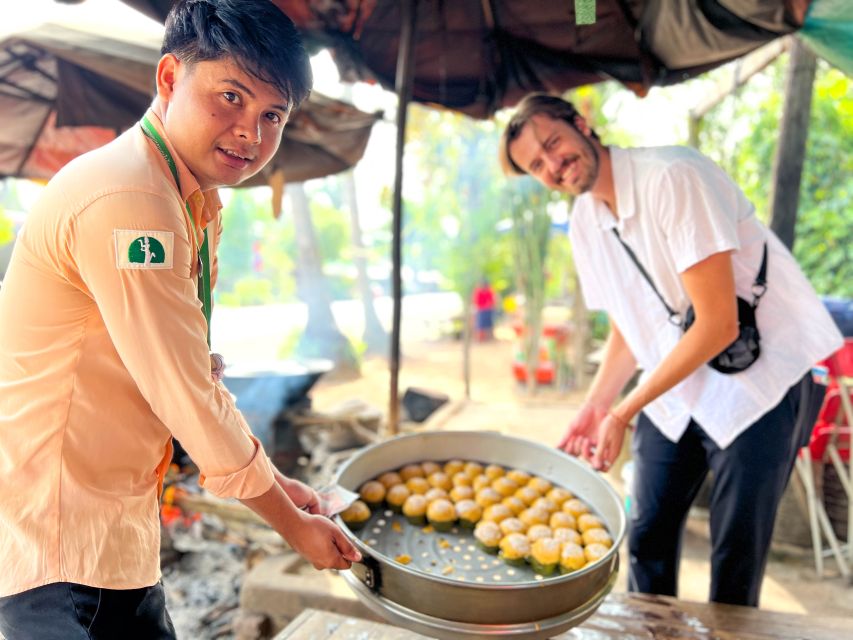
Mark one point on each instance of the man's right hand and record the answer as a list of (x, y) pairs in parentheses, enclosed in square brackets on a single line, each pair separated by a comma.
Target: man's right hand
[(321, 542), (314, 537), (581, 435)]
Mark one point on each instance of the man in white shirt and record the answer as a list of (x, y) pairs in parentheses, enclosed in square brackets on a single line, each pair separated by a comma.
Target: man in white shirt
[(692, 231)]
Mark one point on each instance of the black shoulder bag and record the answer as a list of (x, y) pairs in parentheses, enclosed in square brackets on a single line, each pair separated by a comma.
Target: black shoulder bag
[(746, 348)]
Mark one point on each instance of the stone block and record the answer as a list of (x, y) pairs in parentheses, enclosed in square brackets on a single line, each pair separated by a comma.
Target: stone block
[(281, 587)]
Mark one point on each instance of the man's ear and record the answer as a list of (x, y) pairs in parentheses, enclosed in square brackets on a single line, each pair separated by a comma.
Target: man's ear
[(167, 73), (581, 125)]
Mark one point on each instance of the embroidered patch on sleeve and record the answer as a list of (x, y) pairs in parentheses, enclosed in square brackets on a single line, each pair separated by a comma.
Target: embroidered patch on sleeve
[(139, 249)]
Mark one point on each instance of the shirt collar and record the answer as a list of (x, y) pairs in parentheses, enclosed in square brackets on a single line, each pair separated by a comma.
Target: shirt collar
[(190, 190), (623, 186)]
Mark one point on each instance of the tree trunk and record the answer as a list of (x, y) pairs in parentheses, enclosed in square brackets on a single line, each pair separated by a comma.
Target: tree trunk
[(322, 338), (375, 336), (580, 335), (791, 151)]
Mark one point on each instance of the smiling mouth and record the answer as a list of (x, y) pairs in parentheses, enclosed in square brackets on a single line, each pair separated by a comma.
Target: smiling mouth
[(235, 155), (567, 167)]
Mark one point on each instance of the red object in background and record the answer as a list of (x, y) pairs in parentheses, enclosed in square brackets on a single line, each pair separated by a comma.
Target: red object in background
[(832, 421), (554, 337), (544, 372), (484, 297)]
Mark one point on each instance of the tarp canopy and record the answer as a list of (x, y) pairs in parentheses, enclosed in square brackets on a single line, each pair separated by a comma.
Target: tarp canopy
[(477, 56), (65, 90)]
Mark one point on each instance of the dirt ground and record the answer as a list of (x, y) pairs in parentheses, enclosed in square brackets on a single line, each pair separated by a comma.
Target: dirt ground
[(498, 403)]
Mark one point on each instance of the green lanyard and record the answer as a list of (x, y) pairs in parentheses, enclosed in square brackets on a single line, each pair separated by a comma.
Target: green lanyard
[(203, 263)]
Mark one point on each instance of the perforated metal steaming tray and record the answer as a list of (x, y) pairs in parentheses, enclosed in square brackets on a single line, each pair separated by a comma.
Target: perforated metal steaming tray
[(455, 580)]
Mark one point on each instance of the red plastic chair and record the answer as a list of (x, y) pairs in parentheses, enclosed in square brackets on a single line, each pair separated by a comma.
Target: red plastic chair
[(830, 442)]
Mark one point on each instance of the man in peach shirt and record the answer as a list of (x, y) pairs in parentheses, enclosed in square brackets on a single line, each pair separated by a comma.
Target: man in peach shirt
[(103, 351)]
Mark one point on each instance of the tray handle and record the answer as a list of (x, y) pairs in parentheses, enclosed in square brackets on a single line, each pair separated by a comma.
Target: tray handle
[(369, 572)]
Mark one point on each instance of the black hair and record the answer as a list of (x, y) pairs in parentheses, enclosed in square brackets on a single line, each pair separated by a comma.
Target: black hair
[(262, 40)]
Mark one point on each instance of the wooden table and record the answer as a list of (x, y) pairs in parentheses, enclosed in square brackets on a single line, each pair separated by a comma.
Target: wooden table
[(624, 616)]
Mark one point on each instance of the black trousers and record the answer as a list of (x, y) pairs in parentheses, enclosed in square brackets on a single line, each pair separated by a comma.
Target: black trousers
[(69, 611), (749, 477)]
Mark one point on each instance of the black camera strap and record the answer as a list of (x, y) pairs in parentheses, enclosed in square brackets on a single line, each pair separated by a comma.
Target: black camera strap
[(759, 287)]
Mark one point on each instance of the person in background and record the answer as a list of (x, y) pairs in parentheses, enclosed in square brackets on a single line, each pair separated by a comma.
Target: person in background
[(696, 236), (103, 349), (484, 311)]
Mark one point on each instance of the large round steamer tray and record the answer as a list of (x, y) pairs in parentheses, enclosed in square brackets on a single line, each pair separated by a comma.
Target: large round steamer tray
[(450, 588)]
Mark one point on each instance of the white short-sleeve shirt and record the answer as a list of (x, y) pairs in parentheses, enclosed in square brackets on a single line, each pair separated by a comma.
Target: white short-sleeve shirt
[(676, 208)]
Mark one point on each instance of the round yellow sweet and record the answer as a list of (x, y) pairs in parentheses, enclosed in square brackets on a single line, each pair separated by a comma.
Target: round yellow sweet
[(417, 484), (494, 471), (534, 516), (390, 478), (397, 495), (460, 479), (559, 495), (572, 557), (496, 512), (429, 467), (515, 504), (518, 476), (541, 485), (588, 521), (441, 480), (480, 482), (512, 525), (504, 486), (567, 535), (411, 471), (473, 469), (469, 510), (487, 496), (436, 494), (452, 467), (544, 503), (597, 536), (594, 551), (415, 505), (372, 492), (441, 511), (537, 531), (515, 546), (576, 507), (461, 492), (546, 551), (356, 514), (488, 533), (527, 495), (561, 519)]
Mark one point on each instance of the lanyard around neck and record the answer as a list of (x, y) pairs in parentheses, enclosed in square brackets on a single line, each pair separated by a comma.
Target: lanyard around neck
[(201, 252)]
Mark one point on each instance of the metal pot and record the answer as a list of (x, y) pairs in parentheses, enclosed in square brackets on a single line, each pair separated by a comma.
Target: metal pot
[(448, 607)]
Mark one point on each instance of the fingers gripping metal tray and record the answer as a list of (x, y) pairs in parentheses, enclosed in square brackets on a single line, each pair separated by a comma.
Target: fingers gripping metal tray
[(449, 578)]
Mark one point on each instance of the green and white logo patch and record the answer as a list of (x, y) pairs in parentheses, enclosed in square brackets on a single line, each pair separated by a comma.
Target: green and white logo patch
[(138, 249)]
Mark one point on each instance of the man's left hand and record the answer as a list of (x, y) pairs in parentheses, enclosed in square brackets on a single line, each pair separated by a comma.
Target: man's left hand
[(611, 433)]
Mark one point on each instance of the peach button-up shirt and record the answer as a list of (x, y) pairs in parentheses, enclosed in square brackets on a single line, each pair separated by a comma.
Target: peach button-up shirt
[(103, 357)]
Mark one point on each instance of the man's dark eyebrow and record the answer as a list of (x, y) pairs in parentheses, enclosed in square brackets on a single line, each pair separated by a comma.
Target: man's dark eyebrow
[(239, 85)]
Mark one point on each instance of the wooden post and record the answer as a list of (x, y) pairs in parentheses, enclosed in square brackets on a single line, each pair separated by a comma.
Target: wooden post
[(791, 150), (405, 76)]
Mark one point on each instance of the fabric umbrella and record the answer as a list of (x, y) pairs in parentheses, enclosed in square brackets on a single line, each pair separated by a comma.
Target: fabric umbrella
[(66, 90)]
